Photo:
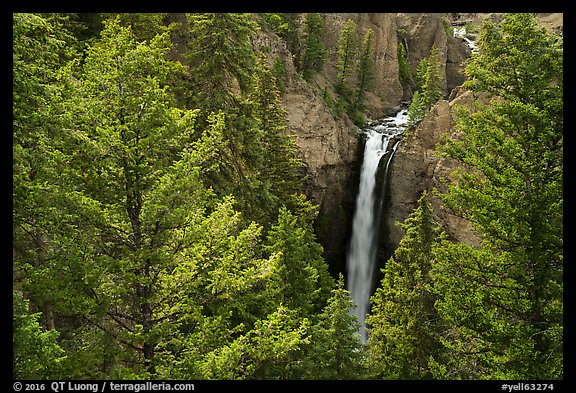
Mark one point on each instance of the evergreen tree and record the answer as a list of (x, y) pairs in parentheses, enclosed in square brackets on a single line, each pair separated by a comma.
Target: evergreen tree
[(251, 355), (429, 80), (365, 71), (504, 301), (275, 167), (347, 47), (122, 134), (119, 240), (432, 79), (421, 70), (335, 350), (221, 319), (145, 26), (404, 328), (41, 46), (286, 26), (314, 51), (303, 282), (154, 241), (416, 110), (221, 60), (279, 72)]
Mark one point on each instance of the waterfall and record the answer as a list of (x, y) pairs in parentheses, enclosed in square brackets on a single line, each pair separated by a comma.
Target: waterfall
[(361, 260), (460, 32), (382, 196)]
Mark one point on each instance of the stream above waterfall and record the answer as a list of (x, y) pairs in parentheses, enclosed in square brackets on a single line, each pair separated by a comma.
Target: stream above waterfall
[(381, 140)]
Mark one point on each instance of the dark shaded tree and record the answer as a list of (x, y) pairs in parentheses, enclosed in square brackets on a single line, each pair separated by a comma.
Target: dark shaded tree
[(404, 328)]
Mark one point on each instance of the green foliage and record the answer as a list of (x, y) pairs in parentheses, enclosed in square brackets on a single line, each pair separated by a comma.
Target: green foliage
[(347, 47), (258, 163), (163, 234), (448, 27), (365, 72), (285, 25), (421, 70), (279, 72), (271, 340), (314, 52), (303, 282), (429, 81), (221, 59), (36, 353), (482, 296), (403, 69), (336, 351), (432, 79), (279, 163), (351, 95), (335, 106), (145, 26), (454, 311), (416, 110), (404, 328), (125, 231), (513, 194), (262, 169), (522, 66)]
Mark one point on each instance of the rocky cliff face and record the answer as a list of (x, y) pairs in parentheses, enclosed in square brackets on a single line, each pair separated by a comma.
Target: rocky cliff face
[(417, 167), (385, 92), (425, 30), (330, 149)]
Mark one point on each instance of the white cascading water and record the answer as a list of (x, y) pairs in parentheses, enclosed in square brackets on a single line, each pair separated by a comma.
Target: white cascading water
[(460, 32), (363, 244)]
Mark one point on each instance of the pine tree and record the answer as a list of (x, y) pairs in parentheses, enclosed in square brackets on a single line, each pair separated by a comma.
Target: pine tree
[(432, 80), (429, 81), (250, 356), (404, 330), (365, 72), (347, 47), (275, 167), (513, 193), (221, 60), (123, 134), (41, 45), (114, 110), (36, 353), (303, 282), (416, 110), (314, 51), (421, 70), (335, 350), (146, 270)]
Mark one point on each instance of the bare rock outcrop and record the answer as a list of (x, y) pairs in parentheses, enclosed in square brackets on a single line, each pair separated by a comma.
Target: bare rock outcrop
[(426, 30), (417, 167)]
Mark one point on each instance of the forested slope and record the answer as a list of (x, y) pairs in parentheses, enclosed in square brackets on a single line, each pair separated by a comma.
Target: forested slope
[(161, 228)]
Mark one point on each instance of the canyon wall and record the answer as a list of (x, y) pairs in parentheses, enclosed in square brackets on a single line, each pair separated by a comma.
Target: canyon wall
[(416, 167), (332, 148)]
